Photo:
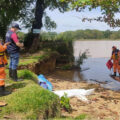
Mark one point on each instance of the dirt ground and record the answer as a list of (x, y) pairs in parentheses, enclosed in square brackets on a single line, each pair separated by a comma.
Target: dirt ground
[(103, 104)]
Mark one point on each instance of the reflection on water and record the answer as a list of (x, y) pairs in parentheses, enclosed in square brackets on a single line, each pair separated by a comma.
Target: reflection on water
[(98, 72), (97, 49), (77, 76)]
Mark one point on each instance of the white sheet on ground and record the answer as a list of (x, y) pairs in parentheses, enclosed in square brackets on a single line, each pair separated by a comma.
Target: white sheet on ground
[(79, 93)]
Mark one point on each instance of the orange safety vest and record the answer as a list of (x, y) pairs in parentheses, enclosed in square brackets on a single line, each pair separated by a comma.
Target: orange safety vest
[(3, 59), (115, 56)]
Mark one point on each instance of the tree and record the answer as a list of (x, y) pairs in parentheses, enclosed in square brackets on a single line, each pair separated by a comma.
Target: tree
[(29, 12), (11, 10), (41, 6), (108, 9)]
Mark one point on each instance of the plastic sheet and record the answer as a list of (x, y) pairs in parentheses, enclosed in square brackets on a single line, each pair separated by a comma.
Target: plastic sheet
[(42, 79), (79, 93)]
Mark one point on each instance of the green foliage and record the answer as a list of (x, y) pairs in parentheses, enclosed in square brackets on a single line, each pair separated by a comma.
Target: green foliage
[(48, 36), (64, 48), (26, 74), (88, 34), (49, 24), (108, 9), (66, 67), (81, 58), (65, 103), (12, 11), (21, 36), (81, 117)]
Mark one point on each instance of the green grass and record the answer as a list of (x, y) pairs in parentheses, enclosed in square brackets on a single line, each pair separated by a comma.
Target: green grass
[(80, 117), (27, 61), (34, 58), (28, 100)]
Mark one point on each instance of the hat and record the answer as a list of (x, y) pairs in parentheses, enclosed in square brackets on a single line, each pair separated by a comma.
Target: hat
[(15, 25), (114, 47)]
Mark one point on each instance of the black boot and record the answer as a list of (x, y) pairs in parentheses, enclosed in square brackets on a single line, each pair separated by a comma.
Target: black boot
[(3, 92), (119, 75), (114, 75), (14, 75), (10, 73)]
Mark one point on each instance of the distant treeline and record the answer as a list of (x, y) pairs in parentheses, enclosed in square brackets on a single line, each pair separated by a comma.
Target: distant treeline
[(82, 34), (78, 35), (92, 34)]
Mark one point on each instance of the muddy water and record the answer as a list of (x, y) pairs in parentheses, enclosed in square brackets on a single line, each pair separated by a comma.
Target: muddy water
[(99, 53)]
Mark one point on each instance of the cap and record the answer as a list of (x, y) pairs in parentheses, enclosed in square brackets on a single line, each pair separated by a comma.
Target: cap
[(114, 47), (15, 25)]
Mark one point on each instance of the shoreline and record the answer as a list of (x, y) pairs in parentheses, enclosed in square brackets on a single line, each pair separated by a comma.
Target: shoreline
[(96, 40), (101, 102)]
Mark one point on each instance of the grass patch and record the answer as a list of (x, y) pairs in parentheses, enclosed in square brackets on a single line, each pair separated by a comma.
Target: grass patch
[(26, 74), (28, 100), (27, 61), (33, 58), (32, 101), (81, 117)]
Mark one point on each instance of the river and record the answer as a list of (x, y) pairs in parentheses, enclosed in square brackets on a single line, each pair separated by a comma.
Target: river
[(99, 54)]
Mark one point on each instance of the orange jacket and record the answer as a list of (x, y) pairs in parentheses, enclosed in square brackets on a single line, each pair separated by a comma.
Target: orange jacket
[(3, 58), (115, 57)]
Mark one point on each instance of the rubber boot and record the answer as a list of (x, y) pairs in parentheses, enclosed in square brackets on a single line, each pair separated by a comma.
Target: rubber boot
[(114, 75), (14, 75), (10, 73), (3, 92)]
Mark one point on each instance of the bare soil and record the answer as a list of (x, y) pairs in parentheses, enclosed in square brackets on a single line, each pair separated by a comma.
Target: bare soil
[(103, 104)]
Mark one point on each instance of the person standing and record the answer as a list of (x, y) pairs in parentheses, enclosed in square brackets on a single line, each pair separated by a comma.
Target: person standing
[(3, 62), (115, 58), (13, 50)]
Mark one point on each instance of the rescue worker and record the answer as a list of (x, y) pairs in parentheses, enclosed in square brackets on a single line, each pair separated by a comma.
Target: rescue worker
[(119, 63), (114, 57), (13, 50), (3, 62)]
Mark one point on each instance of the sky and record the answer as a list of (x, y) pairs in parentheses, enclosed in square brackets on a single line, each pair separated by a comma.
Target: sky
[(71, 21)]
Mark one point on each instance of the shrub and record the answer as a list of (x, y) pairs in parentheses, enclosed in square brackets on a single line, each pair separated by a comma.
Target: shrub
[(82, 56), (65, 103)]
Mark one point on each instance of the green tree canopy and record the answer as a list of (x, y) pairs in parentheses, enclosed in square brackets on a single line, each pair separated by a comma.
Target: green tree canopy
[(108, 9), (12, 10)]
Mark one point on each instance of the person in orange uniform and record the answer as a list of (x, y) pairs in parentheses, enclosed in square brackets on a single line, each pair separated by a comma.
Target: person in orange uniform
[(114, 57), (3, 62), (119, 63)]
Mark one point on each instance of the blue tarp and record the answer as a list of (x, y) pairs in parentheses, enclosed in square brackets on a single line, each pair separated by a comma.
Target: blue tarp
[(42, 79)]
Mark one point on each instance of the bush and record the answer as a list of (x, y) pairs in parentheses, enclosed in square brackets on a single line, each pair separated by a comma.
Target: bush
[(65, 103), (82, 56)]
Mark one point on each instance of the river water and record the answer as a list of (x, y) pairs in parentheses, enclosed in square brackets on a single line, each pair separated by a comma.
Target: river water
[(99, 54)]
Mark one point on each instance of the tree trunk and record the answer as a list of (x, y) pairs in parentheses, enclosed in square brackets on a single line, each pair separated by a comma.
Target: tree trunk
[(37, 24)]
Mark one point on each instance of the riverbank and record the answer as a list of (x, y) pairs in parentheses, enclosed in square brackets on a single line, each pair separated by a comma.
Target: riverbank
[(103, 104), (29, 101), (97, 40)]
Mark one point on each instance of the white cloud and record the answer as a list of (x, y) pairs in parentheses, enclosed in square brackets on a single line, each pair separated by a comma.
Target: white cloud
[(72, 20)]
